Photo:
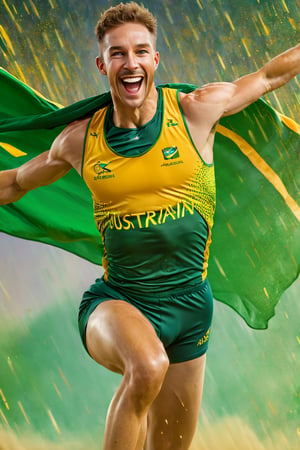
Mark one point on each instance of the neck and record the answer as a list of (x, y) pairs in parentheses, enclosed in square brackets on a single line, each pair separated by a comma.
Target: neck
[(125, 116)]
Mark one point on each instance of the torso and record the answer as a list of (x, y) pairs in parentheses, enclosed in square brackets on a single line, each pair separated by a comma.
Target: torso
[(154, 210)]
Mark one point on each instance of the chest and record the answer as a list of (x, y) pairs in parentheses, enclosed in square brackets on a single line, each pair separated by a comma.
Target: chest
[(170, 164)]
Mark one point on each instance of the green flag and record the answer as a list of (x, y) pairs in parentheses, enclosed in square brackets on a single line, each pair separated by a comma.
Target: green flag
[(255, 253)]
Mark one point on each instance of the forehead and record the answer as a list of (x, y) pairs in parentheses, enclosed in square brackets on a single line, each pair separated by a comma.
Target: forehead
[(128, 34)]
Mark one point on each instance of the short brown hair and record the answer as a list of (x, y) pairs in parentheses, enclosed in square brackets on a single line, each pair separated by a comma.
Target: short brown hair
[(124, 13)]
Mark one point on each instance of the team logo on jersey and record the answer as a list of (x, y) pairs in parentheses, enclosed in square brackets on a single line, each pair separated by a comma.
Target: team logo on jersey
[(103, 171), (172, 123), (170, 153)]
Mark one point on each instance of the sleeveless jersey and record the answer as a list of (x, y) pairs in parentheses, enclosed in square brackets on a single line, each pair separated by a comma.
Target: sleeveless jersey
[(155, 209)]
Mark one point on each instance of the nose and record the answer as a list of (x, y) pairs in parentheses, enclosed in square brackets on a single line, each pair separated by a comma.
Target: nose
[(131, 61)]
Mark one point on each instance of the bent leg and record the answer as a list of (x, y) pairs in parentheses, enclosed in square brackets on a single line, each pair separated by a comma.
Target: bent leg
[(173, 416), (121, 339)]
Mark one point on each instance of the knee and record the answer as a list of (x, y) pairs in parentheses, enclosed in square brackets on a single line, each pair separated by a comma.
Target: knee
[(146, 377)]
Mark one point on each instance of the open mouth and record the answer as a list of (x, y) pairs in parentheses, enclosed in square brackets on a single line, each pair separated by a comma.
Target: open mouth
[(132, 84)]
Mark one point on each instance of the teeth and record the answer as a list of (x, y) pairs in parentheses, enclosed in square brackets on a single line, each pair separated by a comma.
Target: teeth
[(132, 80)]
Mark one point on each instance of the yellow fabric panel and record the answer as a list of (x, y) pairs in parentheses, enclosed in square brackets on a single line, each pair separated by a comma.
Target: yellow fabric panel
[(169, 173)]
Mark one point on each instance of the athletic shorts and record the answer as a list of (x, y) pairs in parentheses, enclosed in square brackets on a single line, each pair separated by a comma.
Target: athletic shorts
[(182, 321)]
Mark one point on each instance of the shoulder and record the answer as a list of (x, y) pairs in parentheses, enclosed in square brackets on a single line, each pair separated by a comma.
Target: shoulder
[(68, 145), (72, 133), (211, 94), (204, 107)]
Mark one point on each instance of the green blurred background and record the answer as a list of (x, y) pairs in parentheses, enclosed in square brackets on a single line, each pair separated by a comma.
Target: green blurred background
[(52, 395)]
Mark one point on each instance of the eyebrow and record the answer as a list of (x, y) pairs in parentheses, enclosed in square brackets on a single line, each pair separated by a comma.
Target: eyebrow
[(120, 47)]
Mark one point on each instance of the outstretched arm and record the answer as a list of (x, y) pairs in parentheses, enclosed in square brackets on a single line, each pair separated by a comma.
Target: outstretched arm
[(40, 171), (271, 76), (50, 166)]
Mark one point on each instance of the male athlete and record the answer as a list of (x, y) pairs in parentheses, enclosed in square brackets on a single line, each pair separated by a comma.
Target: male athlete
[(148, 161)]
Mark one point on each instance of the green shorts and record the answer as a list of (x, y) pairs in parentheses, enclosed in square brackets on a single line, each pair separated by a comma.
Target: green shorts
[(182, 321)]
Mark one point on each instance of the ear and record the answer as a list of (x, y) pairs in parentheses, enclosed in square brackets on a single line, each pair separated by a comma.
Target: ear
[(101, 66), (156, 60)]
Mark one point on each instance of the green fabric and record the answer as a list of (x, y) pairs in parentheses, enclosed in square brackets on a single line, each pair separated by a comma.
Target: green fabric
[(255, 253), (163, 257), (134, 141)]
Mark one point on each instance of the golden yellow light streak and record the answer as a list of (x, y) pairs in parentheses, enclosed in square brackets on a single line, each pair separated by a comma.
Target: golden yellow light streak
[(3, 416), (251, 260), (196, 36), (257, 29), (293, 23), (20, 72), (246, 47), (12, 16), (68, 24), (233, 199), (221, 61), (166, 39), (10, 365), (34, 9), (57, 390), (4, 400), (272, 409), (229, 20), (41, 70), (7, 40), (199, 4), (261, 128), (231, 229), (256, 251), (283, 223), (263, 168), (266, 293), (285, 6), (59, 72), (275, 96), (26, 9), (5, 292), (252, 137), (65, 70), (60, 40), (220, 267), (54, 423), (64, 378), (266, 29), (23, 412), (46, 39)]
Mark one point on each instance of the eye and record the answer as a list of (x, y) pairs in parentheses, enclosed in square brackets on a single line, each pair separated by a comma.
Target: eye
[(142, 51), (117, 53)]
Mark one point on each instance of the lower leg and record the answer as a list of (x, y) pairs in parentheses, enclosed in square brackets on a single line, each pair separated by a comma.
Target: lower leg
[(173, 416), (123, 423), (127, 414), (142, 435)]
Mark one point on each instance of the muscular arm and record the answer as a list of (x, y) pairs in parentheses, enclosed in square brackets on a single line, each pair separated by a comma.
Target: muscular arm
[(40, 171), (271, 76), (50, 166)]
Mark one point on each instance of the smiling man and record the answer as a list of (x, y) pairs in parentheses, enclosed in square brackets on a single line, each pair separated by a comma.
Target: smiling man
[(147, 159)]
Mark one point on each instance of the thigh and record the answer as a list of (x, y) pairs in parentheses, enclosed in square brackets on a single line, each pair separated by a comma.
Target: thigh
[(119, 336), (173, 416)]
